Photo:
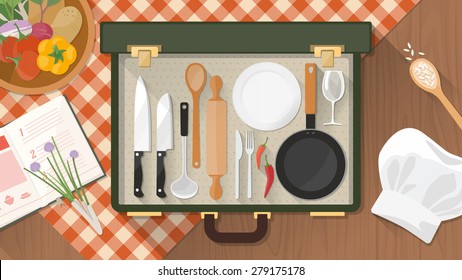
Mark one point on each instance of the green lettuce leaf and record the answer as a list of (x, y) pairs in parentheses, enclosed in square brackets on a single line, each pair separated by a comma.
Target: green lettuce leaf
[(9, 10), (52, 2)]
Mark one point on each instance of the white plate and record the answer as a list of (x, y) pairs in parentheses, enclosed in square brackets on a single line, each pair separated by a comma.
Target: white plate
[(266, 96)]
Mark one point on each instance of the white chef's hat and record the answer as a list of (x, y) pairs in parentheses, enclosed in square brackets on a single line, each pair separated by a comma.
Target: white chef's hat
[(422, 183)]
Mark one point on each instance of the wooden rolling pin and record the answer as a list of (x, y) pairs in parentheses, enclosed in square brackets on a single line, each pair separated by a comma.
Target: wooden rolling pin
[(216, 126)]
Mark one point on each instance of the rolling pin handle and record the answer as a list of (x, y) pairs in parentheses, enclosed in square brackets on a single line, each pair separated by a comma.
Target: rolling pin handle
[(216, 191)]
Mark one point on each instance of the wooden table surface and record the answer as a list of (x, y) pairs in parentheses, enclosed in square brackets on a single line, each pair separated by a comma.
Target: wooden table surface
[(390, 102)]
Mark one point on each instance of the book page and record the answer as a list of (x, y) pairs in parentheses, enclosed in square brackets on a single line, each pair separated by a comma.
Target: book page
[(31, 132), (18, 195)]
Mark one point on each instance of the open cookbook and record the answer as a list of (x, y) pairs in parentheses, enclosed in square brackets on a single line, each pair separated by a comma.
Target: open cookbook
[(22, 143)]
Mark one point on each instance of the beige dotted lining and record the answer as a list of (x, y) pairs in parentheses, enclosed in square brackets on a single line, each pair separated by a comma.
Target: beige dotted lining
[(167, 74)]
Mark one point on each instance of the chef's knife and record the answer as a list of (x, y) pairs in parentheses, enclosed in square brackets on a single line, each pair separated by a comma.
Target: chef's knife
[(164, 139), (142, 133)]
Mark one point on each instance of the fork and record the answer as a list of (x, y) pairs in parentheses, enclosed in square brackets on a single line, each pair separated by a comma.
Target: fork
[(249, 148)]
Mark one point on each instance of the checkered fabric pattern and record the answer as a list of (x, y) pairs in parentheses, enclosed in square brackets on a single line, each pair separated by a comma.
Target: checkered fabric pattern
[(152, 238)]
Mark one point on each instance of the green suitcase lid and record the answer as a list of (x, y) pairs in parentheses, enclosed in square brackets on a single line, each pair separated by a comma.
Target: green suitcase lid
[(236, 37)]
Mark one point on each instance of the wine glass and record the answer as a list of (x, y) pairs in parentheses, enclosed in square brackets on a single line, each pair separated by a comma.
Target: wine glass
[(333, 89)]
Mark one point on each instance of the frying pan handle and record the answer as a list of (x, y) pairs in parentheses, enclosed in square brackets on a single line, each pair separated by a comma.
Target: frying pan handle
[(310, 94), (236, 237)]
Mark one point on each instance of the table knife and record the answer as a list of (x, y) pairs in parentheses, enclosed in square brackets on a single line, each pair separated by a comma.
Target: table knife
[(238, 157), (142, 132), (164, 139)]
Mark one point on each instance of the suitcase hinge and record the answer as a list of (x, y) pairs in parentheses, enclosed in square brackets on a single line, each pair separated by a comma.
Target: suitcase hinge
[(144, 214), (215, 215), (144, 53), (327, 214), (268, 215), (327, 53)]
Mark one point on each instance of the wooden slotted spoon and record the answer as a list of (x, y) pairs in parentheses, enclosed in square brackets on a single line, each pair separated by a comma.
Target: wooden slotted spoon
[(196, 77), (425, 75)]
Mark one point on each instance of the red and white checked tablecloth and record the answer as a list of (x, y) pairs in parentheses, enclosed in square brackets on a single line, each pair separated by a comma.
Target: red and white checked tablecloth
[(90, 95)]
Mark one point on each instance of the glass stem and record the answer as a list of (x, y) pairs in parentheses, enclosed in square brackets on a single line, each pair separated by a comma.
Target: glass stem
[(333, 112)]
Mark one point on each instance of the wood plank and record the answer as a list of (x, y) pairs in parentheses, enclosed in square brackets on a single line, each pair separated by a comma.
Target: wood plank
[(390, 101), (35, 238)]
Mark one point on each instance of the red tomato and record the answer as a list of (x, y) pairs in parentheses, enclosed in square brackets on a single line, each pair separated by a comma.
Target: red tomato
[(8, 48), (29, 43), (27, 66)]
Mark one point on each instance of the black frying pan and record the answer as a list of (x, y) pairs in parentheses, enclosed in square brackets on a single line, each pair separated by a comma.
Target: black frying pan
[(310, 164)]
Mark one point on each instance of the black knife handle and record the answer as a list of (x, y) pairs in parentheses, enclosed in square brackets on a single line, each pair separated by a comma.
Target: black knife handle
[(160, 174), (184, 112), (138, 175)]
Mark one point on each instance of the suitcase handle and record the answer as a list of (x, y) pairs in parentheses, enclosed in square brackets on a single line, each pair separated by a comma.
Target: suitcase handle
[(236, 237)]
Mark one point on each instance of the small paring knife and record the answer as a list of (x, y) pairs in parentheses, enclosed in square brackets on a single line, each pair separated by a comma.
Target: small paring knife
[(164, 139)]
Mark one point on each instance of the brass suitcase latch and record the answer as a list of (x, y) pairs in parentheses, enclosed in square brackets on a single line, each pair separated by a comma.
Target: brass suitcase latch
[(144, 53), (327, 53)]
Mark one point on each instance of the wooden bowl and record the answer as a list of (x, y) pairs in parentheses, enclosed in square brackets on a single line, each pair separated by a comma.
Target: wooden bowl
[(46, 81)]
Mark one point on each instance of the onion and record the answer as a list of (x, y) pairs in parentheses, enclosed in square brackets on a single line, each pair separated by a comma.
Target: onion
[(42, 31), (9, 28)]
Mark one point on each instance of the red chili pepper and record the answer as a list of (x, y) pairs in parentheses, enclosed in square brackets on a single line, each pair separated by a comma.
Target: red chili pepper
[(260, 151), (269, 176)]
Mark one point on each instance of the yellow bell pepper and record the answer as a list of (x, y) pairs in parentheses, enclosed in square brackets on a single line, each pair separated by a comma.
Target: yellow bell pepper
[(56, 55)]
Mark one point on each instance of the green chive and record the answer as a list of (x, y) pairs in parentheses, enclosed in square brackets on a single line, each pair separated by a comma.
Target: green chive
[(71, 177), (80, 183), (61, 179), (62, 161), (59, 191)]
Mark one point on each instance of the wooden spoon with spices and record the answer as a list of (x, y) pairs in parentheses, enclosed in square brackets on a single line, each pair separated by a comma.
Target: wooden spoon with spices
[(425, 75)]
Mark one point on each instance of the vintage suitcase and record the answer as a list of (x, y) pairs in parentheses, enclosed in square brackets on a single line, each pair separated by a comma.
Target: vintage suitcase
[(160, 53)]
